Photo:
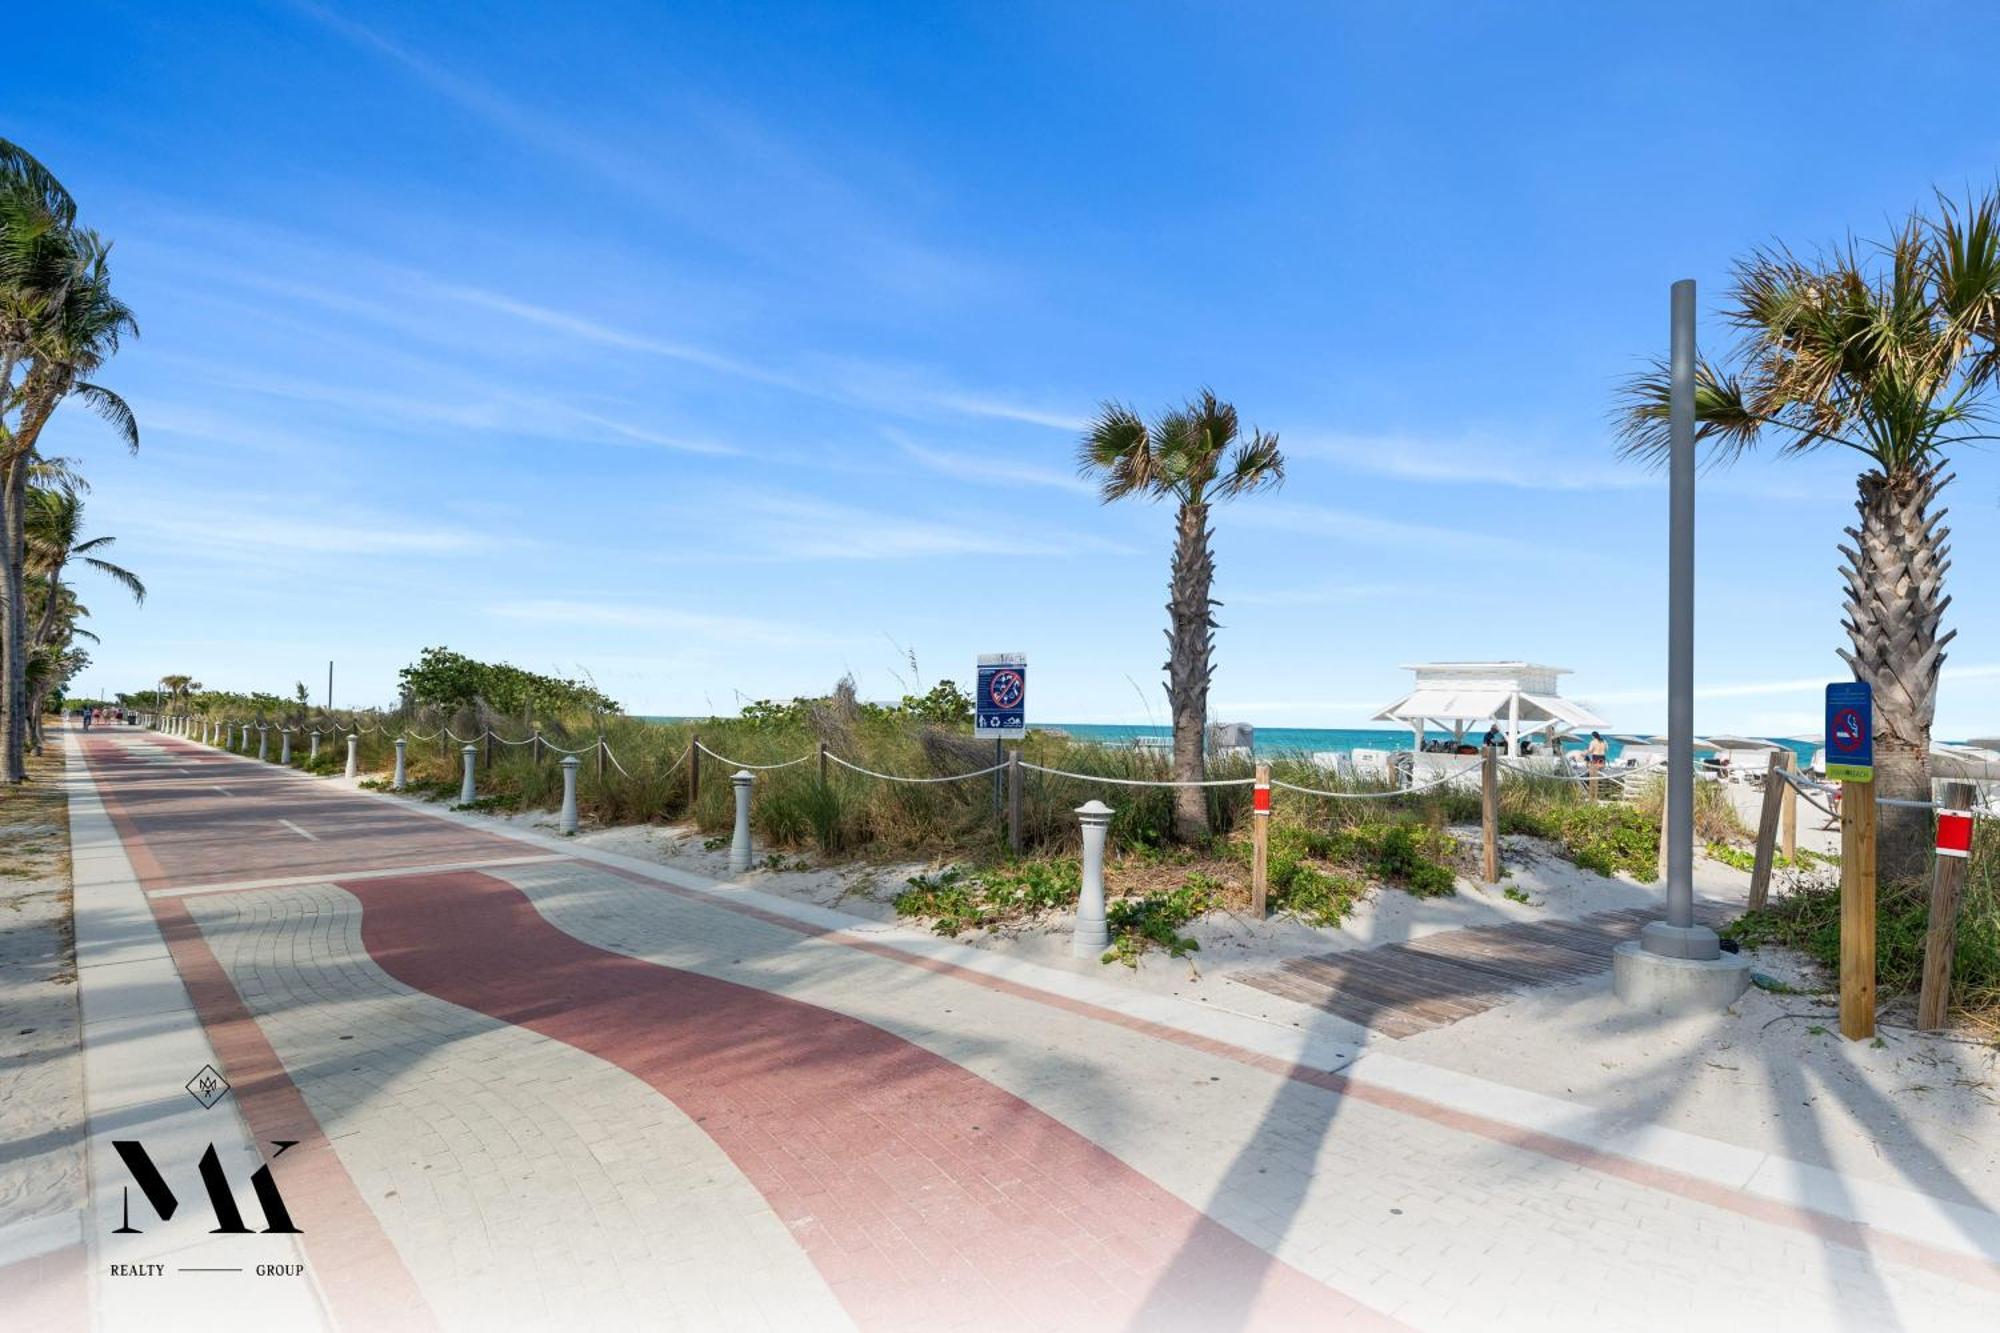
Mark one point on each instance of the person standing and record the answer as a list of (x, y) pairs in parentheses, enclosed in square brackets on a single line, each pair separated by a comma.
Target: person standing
[(1595, 753)]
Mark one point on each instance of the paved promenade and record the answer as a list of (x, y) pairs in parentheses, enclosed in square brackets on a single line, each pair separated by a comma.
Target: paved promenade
[(498, 1082)]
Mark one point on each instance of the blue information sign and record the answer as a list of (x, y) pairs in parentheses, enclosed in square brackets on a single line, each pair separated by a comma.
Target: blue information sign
[(1000, 708), (1850, 731)]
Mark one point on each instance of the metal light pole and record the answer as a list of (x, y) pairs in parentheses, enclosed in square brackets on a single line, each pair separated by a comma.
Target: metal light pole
[(1678, 936)]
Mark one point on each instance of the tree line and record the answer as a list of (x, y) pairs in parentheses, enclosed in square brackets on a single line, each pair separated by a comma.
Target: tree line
[(59, 323)]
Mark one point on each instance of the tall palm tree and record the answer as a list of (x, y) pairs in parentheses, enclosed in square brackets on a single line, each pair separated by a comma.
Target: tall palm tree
[(1887, 350), (1192, 455), (54, 539), (59, 322)]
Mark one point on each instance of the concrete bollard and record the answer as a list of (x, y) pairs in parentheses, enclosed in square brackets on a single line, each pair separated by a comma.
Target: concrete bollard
[(402, 764), (285, 746), (263, 741), (1092, 937), (353, 755), (739, 846), (312, 746), (465, 786), (570, 764)]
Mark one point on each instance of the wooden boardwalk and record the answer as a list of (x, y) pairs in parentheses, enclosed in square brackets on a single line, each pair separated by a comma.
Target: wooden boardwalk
[(1402, 989)]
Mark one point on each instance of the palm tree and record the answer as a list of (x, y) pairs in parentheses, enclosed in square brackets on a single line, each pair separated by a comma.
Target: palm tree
[(54, 538), (1191, 454), (58, 323), (1889, 351)]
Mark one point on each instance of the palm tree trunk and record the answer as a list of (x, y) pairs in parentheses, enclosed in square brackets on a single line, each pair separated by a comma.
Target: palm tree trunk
[(1190, 639), (13, 633), (1895, 609)]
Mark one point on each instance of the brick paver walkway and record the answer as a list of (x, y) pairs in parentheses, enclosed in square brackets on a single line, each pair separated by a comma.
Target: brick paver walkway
[(533, 1091)]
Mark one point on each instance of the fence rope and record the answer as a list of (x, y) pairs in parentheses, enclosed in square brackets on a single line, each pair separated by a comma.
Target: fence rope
[(605, 746), (1373, 795), (1805, 791), (891, 777), (757, 767), (1137, 782)]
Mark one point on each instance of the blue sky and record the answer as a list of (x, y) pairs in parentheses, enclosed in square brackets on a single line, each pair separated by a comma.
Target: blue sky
[(716, 351)]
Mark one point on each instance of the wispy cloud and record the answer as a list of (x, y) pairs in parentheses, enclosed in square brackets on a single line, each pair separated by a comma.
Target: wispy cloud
[(761, 196), (626, 615), (1000, 409), (246, 535), (1325, 595), (1377, 530), (1469, 460), (801, 528), (1795, 685), (1489, 460), (993, 465)]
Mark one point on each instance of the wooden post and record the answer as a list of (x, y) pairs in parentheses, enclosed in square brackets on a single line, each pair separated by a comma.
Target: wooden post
[(1857, 910), (1014, 802), (1767, 829), (1489, 814), (822, 763), (535, 744), (1942, 940), (1260, 843), (486, 759), (1788, 820), (600, 758), (694, 770), (1661, 874), (1594, 771)]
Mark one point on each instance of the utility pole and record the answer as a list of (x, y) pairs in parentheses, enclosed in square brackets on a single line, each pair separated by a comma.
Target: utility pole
[(329, 686), (1676, 965)]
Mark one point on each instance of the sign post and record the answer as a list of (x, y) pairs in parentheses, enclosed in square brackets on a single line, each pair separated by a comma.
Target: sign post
[(1000, 706), (1850, 757)]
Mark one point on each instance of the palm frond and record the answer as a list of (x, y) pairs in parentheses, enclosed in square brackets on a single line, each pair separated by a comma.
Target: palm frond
[(1723, 419), (21, 173), (113, 409), (1256, 465), (119, 574), (1117, 452)]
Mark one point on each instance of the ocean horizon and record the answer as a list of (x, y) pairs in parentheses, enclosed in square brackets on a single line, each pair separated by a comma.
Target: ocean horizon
[(1274, 741)]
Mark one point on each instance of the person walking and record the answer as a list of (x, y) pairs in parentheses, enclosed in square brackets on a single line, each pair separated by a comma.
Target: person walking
[(1594, 753), (86, 718)]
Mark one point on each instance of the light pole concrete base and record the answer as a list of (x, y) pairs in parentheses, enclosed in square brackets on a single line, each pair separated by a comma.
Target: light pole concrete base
[(1662, 985), (1091, 939)]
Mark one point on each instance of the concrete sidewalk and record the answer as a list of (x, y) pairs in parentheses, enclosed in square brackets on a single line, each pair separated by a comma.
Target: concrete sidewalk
[(530, 1085)]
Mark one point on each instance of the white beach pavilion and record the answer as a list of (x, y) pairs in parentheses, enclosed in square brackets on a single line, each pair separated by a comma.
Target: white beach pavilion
[(1460, 696)]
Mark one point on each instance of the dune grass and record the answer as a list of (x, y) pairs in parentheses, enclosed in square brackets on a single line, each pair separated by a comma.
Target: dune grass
[(1804, 914)]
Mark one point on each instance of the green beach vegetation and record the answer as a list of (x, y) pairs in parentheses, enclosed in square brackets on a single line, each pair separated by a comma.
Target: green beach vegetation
[(1325, 855), (1804, 914)]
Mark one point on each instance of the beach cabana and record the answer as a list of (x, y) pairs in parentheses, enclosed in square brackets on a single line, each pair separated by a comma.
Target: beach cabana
[(1461, 697)]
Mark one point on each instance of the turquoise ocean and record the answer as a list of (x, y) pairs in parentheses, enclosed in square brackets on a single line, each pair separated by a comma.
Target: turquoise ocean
[(1338, 740)]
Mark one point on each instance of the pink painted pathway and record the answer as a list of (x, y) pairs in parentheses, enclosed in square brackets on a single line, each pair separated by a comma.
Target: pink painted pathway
[(529, 1091)]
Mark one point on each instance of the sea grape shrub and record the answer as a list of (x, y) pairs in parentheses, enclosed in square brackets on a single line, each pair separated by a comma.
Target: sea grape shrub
[(1155, 919), (957, 901), (441, 678), (1608, 837)]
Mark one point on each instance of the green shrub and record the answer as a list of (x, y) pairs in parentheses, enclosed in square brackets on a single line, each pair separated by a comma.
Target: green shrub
[(1805, 915), (1607, 837), (1314, 896), (1137, 924), (957, 900)]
